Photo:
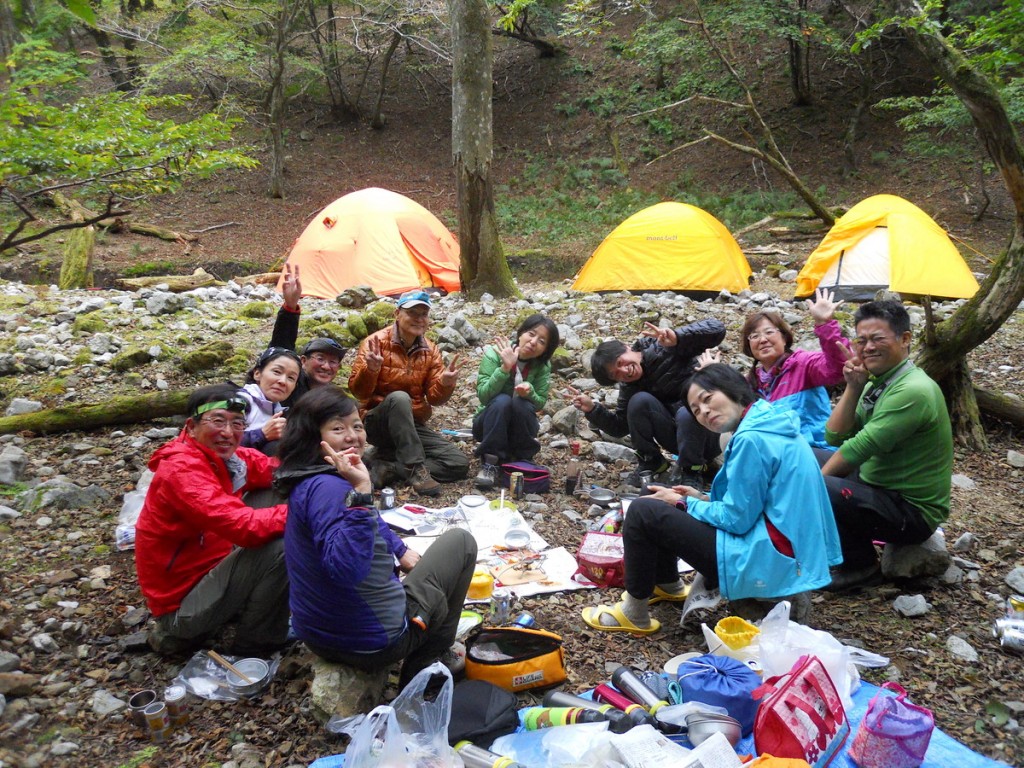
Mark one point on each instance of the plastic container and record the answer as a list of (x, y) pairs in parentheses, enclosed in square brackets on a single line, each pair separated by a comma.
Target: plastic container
[(736, 632)]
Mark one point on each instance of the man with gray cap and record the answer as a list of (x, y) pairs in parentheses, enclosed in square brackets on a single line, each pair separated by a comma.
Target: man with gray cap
[(398, 376), (321, 357)]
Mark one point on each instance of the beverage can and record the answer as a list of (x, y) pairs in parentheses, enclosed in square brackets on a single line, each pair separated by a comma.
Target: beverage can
[(516, 485), (1012, 639), (525, 620), (1015, 607), (501, 606), (176, 698), (158, 720), (124, 537), (387, 498), (574, 447)]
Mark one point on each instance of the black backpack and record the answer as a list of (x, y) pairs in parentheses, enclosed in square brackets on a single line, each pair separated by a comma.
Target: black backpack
[(481, 712)]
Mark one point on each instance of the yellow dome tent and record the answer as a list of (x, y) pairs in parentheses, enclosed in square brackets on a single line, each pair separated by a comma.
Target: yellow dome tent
[(377, 238), (886, 242), (667, 247)]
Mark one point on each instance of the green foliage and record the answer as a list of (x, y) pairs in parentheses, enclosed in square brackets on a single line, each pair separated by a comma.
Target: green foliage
[(257, 309), (141, 757), (149, 268), (106, 143), (90, 323)]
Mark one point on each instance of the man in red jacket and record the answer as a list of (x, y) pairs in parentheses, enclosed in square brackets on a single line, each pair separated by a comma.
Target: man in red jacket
[(204, 558)]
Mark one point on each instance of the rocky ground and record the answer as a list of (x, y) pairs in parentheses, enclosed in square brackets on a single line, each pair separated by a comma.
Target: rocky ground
[(71, 616)]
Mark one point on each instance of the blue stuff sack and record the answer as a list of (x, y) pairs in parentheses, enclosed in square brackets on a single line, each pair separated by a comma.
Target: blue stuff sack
[(723, 682)]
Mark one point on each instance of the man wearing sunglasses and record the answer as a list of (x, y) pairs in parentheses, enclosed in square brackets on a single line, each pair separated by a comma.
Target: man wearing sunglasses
[(891, 426), (204, 558), (398, 376), (321, 357)]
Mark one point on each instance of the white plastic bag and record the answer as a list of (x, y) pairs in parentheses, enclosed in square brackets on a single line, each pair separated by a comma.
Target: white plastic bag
[(422, 711), (131, 506), (378, 743), (782, 642)]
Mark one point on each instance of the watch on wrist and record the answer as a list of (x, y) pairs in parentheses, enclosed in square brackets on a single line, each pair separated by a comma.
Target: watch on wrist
[(356, 499)]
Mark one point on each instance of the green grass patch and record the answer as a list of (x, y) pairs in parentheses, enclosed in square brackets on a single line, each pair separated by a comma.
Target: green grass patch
[(150, 268)]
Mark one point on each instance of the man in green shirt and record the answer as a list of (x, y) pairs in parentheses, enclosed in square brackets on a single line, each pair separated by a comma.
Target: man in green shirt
[(889, 481)]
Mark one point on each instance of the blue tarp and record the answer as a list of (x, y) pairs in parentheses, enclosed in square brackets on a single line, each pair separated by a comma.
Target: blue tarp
[(943, 751)]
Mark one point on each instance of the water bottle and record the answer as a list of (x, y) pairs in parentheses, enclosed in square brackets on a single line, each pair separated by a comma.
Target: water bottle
[(536, 718), (633, 687), (478, 757), (618, 721)]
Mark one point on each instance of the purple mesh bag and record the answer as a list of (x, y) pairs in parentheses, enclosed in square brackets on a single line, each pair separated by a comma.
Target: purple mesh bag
[(894, 733)]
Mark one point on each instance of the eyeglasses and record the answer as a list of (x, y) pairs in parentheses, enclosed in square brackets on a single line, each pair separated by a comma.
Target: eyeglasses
[(219, 422), (328, 360), (875, 341), (765, 334)]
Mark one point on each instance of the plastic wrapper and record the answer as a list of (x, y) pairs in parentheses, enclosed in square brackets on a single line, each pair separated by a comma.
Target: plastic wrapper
[(131, 506), (205, 678)]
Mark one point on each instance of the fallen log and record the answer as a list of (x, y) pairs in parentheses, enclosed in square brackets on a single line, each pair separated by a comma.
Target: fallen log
[(263, 278), (175, 283), (161, 232), (124, 409), (1000, 406)]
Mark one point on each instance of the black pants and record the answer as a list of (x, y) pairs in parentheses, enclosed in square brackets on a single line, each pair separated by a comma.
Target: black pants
[(392, 430), (865, 514), (655, 535), (435, 590), (507, 428), (651, 425)]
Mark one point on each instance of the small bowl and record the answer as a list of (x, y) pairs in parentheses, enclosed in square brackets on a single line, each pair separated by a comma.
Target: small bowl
[(701, 726), (496, 504), (602, 496), (473, 503), (517, 538), (256, 670)]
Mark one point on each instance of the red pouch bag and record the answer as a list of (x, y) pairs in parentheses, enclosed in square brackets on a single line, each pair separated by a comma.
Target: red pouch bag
[(601, 559), (801, 715)]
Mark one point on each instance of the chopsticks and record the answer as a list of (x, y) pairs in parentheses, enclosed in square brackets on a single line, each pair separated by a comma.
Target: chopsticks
[(228, 665)]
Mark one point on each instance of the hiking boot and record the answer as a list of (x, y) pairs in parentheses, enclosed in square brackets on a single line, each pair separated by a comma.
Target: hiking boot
[(691, 476), (487, 477), (654, 467), (383, 473), (844, 579), (422, 482)]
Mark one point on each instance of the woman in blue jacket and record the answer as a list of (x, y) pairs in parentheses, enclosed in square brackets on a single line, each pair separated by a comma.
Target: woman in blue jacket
[(765, 531), (348, 605)]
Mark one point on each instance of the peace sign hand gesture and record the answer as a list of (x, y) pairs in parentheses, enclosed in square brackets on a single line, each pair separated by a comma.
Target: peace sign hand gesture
[(854, 372), (291, 288), (666, 337), (374, 355), (451, 373)]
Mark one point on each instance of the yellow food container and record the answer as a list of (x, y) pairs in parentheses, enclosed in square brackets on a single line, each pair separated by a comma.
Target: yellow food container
[(481, 585), (736, 632)]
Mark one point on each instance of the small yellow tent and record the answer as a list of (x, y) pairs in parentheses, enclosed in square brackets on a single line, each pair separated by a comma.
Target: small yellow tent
[(886, 242), (377, 238), (667, 247)]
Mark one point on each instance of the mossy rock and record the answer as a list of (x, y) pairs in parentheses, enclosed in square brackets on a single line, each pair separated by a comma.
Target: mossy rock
[(845, 319), (335, 331), (356, 325), (133, 379), (84, 357), (133, 357), (257, 309), (89, 323), (562, 359), (207, 357), (774, 270), (239, 363), (382, 310)]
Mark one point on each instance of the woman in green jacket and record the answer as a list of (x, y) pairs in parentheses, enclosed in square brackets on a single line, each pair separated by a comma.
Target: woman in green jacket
[(512, 386)]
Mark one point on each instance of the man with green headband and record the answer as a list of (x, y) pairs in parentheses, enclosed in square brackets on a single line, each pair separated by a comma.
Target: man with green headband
[(204, 558)]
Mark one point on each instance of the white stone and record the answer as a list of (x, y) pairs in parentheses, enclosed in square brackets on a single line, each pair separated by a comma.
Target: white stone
[(105, 703), (962, 481), (961, 649), (20, 405), (1015, 459), (1015, 580), (909, 606)]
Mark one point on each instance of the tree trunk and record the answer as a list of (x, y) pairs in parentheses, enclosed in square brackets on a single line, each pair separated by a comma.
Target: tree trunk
[(113, 66), (800, 60), (130, 409), (1002, 291), (377, 121), (963, 408), (76, 267), (276, 98), (10, 35), (483, 267)]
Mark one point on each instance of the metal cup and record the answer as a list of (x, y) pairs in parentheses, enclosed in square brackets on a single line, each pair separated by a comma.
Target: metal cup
[(646, 480), (138, 702), (159, 721)]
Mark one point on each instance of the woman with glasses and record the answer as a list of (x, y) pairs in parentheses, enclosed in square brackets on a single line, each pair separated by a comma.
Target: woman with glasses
[(513, 385), (348, 605), (269, 383), (796, 379)]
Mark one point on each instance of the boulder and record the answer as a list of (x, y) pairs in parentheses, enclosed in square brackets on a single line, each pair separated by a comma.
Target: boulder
[(908, 561), (605, 451), (13, 461), (344, 691)]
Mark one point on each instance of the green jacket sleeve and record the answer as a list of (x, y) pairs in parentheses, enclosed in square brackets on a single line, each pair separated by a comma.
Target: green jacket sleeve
[(539, 380), (491, 380)]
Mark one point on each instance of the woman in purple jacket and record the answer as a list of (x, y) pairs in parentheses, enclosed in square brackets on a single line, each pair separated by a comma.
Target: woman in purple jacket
[(348, 604)]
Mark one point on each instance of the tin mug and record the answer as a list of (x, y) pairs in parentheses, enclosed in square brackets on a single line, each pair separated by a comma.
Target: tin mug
[(137, 703)]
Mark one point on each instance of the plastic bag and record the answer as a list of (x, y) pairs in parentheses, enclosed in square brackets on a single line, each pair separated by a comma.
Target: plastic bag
[(378, 743), (783, 642), (131, 506), (422, 711), (205, 678)]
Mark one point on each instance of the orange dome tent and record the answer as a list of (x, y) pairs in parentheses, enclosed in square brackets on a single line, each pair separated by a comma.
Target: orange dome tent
[(377, 238)]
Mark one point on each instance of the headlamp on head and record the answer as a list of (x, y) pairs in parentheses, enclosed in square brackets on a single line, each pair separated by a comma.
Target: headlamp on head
[(235, 404)]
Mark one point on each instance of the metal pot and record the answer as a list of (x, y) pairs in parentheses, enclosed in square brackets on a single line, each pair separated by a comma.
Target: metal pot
[(256, 670)]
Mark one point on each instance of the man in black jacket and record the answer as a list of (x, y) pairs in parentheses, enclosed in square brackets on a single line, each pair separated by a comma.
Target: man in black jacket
[(321, 358), (650, 375)]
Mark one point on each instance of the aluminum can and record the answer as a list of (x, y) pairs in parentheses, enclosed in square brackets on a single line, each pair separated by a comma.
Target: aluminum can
[(516, 485), (501, 606), (525, 620), (478, 757), (1012, 639), (176, 698), (137, 704), (158, 720), (646, 480), (1015, 607), (574, 447), (387, 498)]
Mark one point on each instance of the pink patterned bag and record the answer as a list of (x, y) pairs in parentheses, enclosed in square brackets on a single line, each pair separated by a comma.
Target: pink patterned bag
[(894, 733)]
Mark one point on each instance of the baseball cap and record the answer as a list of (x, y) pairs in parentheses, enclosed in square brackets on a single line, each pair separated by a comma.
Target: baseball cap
[(324, 344), (411, 299)]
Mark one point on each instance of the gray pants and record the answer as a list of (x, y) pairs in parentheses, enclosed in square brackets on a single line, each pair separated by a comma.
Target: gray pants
[(249, 587), (391, 429)]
